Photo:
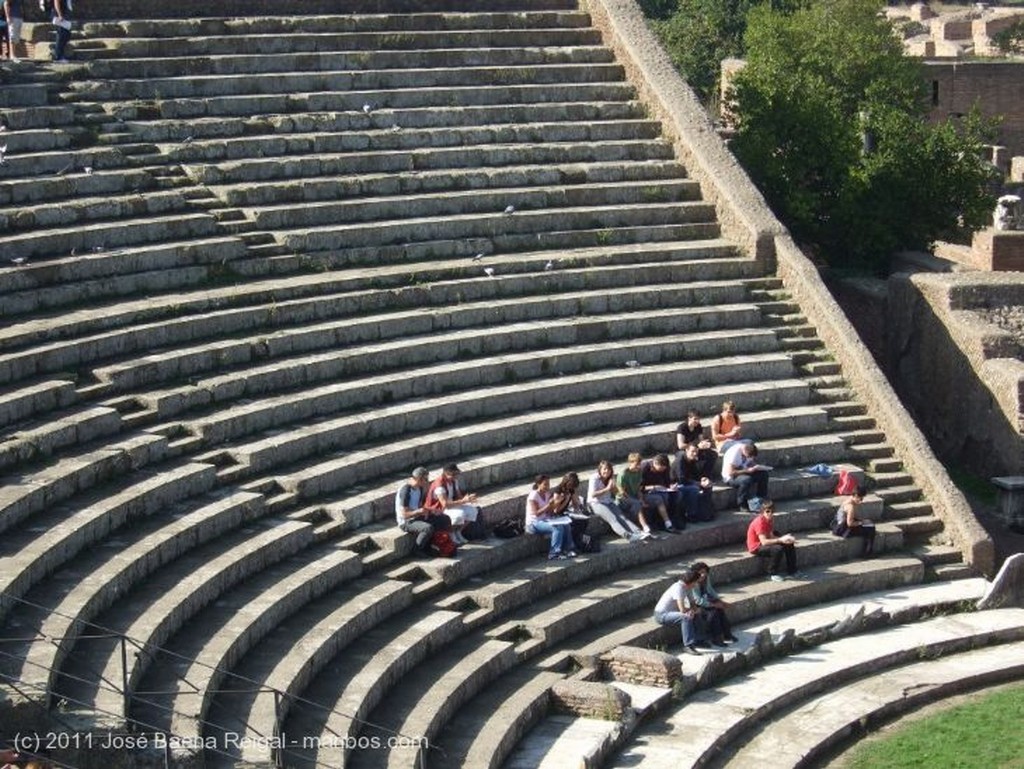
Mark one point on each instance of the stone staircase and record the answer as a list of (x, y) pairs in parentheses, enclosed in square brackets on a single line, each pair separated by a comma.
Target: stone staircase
[(248, 292)]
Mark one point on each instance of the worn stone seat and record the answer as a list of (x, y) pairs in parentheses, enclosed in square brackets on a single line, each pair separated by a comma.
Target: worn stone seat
[(102, 576), (59, 534), (446, 180), (38, 489), (98, 235), (196, 666), (272, 398), (149, 617), (735, 707), (556, 401), (178, 318)]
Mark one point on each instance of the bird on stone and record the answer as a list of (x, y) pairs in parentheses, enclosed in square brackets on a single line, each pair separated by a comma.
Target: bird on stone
[(367, 109), (3, 154), (396, 127), (478, 257), (549, 266), (187, 140), (19, 260), (509, 210), (489, 272)]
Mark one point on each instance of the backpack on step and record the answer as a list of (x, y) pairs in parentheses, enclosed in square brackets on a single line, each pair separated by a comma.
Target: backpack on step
[(442, 545)]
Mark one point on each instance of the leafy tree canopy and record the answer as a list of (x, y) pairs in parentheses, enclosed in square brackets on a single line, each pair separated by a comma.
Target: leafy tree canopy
[(831, 127)]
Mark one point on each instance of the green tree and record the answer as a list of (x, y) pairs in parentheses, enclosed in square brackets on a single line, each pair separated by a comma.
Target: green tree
[(699, 34), (831, 127)]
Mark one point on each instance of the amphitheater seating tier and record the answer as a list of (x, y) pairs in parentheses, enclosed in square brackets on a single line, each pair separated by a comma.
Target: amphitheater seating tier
[(255, 269)]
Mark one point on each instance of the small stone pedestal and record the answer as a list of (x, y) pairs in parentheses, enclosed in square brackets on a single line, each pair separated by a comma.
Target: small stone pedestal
[(1011, 500)]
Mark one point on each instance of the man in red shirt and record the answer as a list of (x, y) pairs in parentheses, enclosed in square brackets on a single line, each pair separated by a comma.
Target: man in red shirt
[(765, 542)]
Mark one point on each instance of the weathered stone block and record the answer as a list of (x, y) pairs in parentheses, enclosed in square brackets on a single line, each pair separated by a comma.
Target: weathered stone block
[(590, 699)]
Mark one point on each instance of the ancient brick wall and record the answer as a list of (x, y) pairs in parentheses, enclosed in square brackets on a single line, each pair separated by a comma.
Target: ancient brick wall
[(997, 88)]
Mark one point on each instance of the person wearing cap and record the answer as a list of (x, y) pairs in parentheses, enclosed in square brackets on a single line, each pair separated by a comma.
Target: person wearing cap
[(412, 515), (446, 495)]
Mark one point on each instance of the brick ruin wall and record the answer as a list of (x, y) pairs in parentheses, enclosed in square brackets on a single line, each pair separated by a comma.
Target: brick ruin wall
[(996, 87)]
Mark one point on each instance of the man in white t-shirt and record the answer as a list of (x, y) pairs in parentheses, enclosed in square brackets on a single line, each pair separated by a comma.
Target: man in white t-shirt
[(741, 471), (677, 607)]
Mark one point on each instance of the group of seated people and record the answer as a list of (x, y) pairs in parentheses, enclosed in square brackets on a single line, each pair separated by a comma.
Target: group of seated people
[(645, 498)]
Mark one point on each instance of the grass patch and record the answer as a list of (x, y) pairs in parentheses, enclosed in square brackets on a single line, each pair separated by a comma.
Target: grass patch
[(974, 486), (985, 734)]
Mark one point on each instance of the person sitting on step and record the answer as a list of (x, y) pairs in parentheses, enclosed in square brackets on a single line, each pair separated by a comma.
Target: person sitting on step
[(691, 433), (630, 498), (677, 607), (661, 493), (848, 522), (765, 542), (696, 487), (411, 514), (725, 428), (707, 598), (601, 493), (741, 470), (541, 519), (447, 496)]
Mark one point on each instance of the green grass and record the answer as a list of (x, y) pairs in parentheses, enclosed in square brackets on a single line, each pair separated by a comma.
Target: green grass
[(984, 734), (973, 485)]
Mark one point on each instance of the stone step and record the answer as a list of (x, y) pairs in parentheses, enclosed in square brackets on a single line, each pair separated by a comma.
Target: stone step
[(396, 137), (501, 157), (443, 16), (34, 491), (227, 65), (452, 203), (58, 535), (164, 603), (529, 222), (60, 430), (501, 465), (456, 97), (294, 656), (288, 338), (36, 140), (917, 528), (481, 404), (899, 494), (819, 723), (653, 173), (901, 510), (760, 600), (541, 364), (938, 555), (43, 116), (284, 328), (493, 722), (20, 404), (111, 570), (83, 160), (129, 117), (97, 236), (506, 491), (74, 184), (555, 619), (885, 465), (81, 210), (474, 347), (200, 86), (337, 703), (201, 46), (199, 660)]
